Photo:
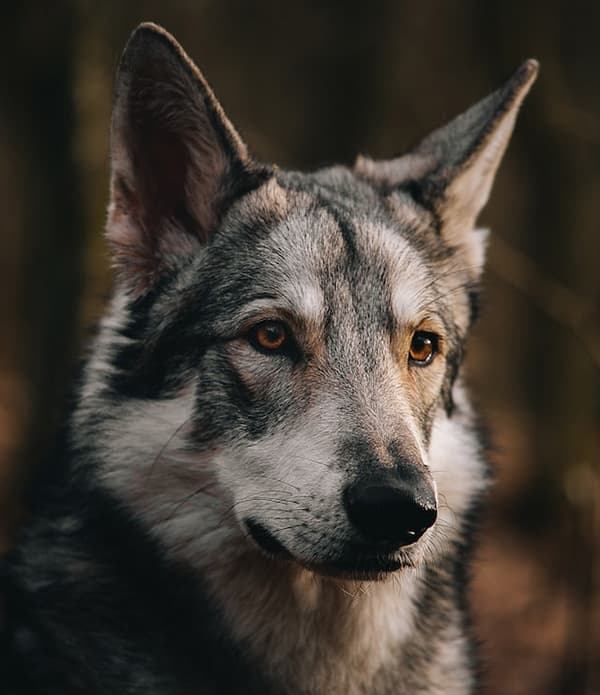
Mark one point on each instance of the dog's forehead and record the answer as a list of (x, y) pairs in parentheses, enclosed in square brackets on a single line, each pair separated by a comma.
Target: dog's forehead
[(326, 248)]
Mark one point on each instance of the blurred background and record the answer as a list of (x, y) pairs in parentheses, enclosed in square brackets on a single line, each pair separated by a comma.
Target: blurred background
[(314, 83)]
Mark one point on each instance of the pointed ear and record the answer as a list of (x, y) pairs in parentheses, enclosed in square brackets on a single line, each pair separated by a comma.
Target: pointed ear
[(452, 170), (176, 159)]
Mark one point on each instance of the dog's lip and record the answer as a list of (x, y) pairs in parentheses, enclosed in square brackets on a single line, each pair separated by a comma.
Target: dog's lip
[(265, 540), (358, 567)]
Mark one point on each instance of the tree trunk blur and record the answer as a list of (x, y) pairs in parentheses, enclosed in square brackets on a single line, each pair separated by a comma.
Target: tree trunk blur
[(43, 218)]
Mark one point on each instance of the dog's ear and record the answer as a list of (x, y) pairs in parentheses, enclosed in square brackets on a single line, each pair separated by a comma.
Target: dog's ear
[(451, 171), (176, 159)]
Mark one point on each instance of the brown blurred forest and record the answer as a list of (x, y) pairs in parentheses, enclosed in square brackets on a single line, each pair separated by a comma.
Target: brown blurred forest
[(312, 83)]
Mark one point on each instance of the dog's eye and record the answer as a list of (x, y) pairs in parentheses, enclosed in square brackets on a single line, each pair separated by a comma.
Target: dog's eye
[(423, 348), (269, 336)]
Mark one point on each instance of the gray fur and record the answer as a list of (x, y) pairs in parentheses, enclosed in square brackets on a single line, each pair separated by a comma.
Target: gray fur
[(191, 435)]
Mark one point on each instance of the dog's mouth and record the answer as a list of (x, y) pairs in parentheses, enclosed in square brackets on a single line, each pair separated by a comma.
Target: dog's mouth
[(357, 565), (266, 541)]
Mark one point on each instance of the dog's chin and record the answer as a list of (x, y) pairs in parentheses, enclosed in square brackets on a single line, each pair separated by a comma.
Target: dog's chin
[(356, 564), (374, 568)]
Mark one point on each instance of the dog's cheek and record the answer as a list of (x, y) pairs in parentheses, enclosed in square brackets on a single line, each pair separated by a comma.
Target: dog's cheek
[(254, 393)]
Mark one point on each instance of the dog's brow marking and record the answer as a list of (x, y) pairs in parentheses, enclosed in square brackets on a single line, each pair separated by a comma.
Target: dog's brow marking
[(309, 301), (406, 299), (305, 300), (407, 278)]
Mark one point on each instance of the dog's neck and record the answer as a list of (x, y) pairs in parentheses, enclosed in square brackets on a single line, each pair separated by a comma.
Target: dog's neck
[(311, 633)]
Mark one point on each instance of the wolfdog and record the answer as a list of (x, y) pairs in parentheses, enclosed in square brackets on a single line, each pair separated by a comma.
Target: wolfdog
[(269, 479)]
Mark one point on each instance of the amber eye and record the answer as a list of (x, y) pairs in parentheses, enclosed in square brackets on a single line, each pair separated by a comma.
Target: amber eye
[(423, 348), (269, 336)]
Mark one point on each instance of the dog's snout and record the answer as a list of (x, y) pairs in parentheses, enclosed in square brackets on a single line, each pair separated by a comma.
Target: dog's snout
[(390, 511)]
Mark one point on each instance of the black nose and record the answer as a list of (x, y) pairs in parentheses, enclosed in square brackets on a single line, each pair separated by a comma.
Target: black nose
[(391, 511)]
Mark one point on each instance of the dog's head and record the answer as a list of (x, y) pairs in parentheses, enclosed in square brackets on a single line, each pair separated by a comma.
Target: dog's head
[(283, 347)]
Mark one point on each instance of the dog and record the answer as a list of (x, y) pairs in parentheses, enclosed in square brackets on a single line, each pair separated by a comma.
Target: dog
[(271, 475)]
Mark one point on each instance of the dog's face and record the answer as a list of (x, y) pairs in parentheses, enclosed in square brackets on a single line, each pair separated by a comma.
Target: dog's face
[(326, 353), (296, 336)]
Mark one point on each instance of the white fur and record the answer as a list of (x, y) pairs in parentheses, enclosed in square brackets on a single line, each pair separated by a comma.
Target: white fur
[(324, 636), (455, 460), (99, 365), (302, 299)]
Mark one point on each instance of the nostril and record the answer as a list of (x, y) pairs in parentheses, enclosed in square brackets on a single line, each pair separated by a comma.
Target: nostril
[(390, 512)]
